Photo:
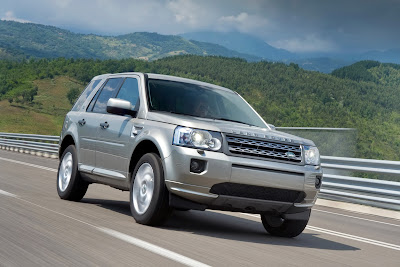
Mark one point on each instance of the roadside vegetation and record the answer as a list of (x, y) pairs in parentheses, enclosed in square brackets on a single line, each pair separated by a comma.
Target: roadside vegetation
[(36, 94)]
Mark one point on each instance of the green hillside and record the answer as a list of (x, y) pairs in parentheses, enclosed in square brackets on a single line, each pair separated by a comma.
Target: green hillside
[(284, 95), (26, 40), (386, 74)]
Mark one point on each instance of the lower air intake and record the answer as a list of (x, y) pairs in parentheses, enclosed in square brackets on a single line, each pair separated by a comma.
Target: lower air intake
[(258, 192)]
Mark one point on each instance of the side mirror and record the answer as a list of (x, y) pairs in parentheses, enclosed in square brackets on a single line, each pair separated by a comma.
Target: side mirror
[(272, 127), (120, 107)]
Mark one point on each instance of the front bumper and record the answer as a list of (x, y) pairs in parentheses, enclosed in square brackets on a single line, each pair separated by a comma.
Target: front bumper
[(221, 168)]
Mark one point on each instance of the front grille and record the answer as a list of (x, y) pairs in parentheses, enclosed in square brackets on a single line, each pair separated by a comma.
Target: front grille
[(258, 192), (264, 149)]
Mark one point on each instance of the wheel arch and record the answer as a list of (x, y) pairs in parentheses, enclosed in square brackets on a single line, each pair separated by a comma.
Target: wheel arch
[(144, 147), (67, 141)]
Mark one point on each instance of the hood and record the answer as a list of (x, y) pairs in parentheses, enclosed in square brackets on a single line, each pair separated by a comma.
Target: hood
[(227, 127)]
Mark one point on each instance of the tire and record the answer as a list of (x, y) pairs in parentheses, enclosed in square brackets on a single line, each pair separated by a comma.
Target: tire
[(70, 185), (149, 197), (277, 226)]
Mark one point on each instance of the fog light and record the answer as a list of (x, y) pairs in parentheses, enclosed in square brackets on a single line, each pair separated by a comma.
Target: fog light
[(318, 181), (197, 165)]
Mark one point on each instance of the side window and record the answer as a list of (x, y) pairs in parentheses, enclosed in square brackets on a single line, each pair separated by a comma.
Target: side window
[(90, 107), (106, 93), (130, 92), (88, 90)]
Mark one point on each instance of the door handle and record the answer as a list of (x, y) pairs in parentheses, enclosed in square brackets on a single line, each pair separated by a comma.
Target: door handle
[(104, 125), (82, 122)]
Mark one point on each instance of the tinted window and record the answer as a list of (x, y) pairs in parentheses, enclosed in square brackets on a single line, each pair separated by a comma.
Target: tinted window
[(130, 91), (200, 101), (106, 93), (88, 90), (90, 107)]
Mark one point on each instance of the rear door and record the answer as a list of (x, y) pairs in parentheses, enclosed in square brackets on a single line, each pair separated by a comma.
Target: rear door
[(86, 127), (115, 139), (90, 123)]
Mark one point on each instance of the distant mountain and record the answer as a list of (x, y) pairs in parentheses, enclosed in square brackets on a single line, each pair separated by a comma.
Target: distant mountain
[(26, 40), (318, 61), (321, 64), (22, 40), (388, 56), (242, 43), (248, 44)]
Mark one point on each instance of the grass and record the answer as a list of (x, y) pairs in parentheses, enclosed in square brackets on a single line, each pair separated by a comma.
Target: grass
[(16, 119), (46, 114)]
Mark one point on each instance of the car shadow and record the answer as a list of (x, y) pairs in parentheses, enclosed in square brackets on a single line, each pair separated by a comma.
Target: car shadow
[(114, 205), (226, 226)]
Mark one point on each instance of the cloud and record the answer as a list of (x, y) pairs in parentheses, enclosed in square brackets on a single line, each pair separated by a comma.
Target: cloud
[(242, 22), (97, 16), (10, 16), (219, 15), (306, 25), (188, 12), (310, 43)]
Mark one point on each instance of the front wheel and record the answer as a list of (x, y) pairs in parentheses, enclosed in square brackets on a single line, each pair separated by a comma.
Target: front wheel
[(277, 226), (70, 185), (149, 200)]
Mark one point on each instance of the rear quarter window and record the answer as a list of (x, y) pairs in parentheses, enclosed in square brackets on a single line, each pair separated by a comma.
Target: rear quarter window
[(88, 90)]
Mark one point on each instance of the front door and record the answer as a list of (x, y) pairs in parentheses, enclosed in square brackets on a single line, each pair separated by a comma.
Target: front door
[(115, 137)]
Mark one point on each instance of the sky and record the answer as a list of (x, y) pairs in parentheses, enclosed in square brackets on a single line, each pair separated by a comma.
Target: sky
[(331, 26)]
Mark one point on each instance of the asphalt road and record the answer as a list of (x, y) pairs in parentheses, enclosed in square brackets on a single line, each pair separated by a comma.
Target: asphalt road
[(39, 229)]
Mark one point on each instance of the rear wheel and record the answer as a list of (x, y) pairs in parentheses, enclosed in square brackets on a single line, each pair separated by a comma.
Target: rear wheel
[(278, 226), (70, 185), (148, 195)]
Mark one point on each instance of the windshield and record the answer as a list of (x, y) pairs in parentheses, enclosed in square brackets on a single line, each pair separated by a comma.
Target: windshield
[(200, 101)]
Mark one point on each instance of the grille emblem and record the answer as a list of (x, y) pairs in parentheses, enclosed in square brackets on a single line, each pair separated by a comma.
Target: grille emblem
[(290, 155)]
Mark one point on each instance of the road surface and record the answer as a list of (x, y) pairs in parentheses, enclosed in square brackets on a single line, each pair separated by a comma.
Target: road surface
[(37, 228)]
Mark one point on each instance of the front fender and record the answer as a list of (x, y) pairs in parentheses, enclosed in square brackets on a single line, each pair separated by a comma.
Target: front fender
[(160, 135)]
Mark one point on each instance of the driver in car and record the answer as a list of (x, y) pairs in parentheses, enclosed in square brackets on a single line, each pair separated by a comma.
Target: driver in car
[(201, 108)]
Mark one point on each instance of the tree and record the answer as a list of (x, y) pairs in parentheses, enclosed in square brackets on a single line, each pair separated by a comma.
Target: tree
[(73, 94)]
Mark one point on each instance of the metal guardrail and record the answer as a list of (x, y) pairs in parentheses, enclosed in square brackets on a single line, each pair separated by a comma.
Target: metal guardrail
[(41, 145), (378, 193), (372, 192)]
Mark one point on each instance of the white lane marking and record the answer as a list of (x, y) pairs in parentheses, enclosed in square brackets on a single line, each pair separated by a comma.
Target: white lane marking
[(29, 164), (7, 194), (132, 240), (364, 219), (152, 248), (353, 237), (343, 235), (326, 231), (54, 170), (252, 215)]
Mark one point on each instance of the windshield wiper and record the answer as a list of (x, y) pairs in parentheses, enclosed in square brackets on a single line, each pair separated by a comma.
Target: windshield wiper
[(173, 112), (224, 119)]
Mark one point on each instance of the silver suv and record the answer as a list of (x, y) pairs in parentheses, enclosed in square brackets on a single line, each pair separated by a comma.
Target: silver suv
[(184, 144)]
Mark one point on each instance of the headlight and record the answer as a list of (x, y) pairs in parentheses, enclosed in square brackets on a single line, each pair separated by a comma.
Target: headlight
[(195, 138), (311, 155)]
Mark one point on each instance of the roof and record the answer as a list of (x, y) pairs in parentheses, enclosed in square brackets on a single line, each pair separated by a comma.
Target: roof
[(165, 77)]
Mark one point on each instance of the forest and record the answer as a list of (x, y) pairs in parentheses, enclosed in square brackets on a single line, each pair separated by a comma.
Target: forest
[(364, 96)]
